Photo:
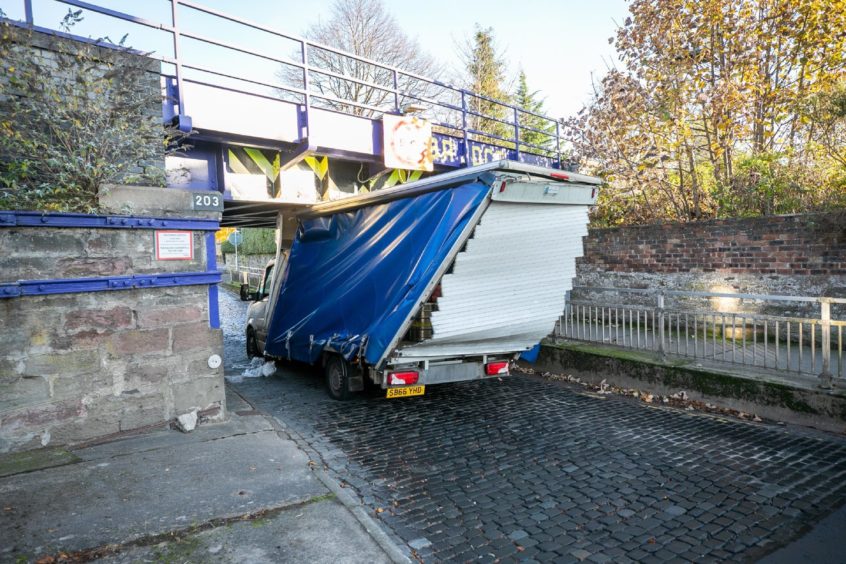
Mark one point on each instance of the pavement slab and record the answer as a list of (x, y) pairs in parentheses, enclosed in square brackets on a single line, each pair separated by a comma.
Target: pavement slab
[(183, 485), (318, 531)]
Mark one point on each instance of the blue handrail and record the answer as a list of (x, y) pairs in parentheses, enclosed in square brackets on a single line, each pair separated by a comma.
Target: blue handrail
[(461, 103)]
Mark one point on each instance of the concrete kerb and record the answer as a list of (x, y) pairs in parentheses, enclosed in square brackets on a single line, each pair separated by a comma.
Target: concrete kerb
[(386, 542), (394, 552), (766, 396)]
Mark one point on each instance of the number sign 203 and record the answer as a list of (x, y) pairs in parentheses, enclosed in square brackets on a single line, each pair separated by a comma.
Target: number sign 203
[(206, 201)]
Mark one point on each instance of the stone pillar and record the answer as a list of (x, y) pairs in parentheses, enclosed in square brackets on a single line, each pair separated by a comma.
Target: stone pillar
[(100, 334)]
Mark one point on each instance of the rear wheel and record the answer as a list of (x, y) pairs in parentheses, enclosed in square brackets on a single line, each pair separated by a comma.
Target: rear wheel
[(337, 371), (252, 343)]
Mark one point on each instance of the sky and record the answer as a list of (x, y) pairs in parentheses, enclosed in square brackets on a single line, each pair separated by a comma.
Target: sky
[(561, 45)]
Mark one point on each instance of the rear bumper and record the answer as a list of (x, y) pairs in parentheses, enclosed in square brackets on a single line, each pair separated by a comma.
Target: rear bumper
[(459, 372), (444, 373)]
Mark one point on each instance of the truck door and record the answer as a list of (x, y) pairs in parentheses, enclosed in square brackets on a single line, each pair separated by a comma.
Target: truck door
[(259, 309)]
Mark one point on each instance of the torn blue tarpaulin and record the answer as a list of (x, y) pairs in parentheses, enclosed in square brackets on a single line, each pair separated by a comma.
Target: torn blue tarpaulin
[(353, 278)]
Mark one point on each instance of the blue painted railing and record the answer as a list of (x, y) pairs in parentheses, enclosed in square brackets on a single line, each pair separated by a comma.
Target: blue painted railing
[(81, 220), (455, 112), (210, 277)]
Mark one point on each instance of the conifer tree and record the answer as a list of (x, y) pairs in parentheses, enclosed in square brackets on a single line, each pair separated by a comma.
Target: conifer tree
[(486, 76), (534, 130)]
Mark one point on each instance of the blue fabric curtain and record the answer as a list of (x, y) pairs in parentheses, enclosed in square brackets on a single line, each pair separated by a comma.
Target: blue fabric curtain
[(353, 277)]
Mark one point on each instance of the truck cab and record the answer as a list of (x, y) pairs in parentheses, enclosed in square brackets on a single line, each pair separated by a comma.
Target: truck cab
[(256, 326)]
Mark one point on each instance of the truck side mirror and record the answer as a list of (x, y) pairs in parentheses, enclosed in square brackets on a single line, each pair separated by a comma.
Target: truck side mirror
[(245, 293)]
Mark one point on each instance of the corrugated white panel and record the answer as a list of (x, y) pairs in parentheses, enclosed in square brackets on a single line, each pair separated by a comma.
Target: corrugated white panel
[(507, 287)]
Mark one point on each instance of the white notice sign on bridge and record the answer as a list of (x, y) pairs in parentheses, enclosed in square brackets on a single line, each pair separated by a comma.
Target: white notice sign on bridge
[(174, 245)]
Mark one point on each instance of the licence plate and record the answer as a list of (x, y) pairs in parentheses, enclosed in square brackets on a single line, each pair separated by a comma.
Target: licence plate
[(406, 391)]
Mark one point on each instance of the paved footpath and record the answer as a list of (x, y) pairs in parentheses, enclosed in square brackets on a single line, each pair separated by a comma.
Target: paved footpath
[(532, 470), (234, 492)]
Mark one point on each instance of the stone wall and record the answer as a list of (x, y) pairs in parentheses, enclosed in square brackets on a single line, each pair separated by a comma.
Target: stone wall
[(84, 364), (797, 255), (45, 47)]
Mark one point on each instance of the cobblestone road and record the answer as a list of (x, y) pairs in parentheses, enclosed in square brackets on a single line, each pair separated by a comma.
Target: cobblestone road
[(526, 469)]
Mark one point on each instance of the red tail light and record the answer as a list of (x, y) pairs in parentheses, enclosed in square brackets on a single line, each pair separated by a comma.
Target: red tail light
[(560, 175), (496, 368), (402, 378)]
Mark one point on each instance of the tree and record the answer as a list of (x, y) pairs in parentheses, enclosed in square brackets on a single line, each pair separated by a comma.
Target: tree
[(365, 28), (539, 131), (710, 116), (255, 241), (485, 75)]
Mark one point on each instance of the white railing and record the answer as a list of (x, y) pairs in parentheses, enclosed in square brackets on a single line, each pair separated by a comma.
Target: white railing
[(689, 328)]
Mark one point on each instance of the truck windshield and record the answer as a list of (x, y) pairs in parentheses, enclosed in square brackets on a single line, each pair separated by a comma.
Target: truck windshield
[(268, 276)]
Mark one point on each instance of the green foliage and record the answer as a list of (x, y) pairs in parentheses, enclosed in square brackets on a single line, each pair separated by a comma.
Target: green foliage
[(720, 109), (255, 241), (73, 117), (486, 76), (545, 128), (761, 186)]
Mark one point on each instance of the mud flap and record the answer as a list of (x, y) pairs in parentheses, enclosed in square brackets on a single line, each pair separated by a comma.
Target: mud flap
[(355, 382)]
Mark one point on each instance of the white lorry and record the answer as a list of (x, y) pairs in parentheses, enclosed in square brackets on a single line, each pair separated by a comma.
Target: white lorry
[(442, 280)]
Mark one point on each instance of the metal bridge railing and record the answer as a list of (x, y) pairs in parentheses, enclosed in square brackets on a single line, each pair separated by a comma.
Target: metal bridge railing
[(304, 74), (788, 344)]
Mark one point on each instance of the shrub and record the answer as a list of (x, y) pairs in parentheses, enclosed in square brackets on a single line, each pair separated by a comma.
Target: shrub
[(73, 117), (255, 241)]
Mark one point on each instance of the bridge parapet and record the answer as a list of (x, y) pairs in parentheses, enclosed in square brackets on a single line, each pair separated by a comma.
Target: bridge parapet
[(237, 82)]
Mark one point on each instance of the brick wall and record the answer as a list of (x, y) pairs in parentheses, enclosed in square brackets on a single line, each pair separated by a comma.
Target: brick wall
[(797, 255), (783, 245), (75, 366)]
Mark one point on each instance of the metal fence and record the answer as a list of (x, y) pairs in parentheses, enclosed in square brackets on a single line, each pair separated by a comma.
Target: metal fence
[(800, 345), (243, 274), (196, 41)]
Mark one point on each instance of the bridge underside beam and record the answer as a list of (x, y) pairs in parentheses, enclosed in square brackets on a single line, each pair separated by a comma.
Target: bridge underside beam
[(303, 150), (255, 214)]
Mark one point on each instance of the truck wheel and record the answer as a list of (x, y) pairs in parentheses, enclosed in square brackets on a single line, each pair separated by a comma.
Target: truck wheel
[(252, 343), (337, 378)]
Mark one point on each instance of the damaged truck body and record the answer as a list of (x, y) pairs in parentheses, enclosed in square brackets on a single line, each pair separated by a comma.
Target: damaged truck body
[(442, 280)]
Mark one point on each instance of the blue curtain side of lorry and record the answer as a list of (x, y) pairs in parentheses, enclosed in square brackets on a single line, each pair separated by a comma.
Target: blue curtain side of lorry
[(352, 278)]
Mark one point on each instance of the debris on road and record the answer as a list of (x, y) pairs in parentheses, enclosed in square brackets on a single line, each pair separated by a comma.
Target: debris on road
[(259, 368), (187, 421), (680, 399)]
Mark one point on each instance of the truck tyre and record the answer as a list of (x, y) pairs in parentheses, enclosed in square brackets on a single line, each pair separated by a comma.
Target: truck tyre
[(252, 343), (337, 372)]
